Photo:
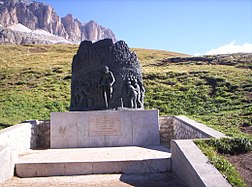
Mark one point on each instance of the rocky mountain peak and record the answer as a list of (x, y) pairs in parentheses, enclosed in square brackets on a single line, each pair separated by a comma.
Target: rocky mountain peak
[(16, 1), (36, 15), (68, 19)]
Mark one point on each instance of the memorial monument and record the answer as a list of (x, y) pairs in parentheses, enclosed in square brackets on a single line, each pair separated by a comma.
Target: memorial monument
[(107, 100), (106, 76)]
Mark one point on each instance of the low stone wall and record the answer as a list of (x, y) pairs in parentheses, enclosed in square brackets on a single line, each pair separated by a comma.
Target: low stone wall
[(7, 163), (166, 126), (186, 128), (12, 141), (15, 139), (188, 162), (183, 130), (193, 167), (43, 134), (36, 134), (18, 137), (182, 127)]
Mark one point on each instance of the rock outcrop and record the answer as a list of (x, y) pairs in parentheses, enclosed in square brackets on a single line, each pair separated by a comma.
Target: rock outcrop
[(92, 31), (72, 27), (35, 15)]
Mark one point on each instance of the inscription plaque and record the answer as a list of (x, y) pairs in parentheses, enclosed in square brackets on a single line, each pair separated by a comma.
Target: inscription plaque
[(104, 126)]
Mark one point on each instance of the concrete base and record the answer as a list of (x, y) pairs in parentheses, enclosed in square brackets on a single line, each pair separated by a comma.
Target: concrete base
[(105, 128), (56, 162)]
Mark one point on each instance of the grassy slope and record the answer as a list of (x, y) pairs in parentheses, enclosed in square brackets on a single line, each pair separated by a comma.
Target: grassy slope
[(35, 80), (149, 56), (215, 95)]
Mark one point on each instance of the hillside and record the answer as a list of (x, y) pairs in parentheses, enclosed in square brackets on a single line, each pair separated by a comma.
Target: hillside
[(35, 80)]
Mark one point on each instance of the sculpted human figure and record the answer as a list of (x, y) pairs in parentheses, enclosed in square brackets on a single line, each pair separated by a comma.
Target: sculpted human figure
[(138, 96), (78, 97), (132, 94), (106, 82), (142, 92)]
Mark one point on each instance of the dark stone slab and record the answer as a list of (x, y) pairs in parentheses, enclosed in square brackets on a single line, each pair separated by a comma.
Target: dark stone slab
[(106, 76)]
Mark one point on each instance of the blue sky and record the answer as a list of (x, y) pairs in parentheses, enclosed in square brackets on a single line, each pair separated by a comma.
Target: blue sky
[(186, 26)]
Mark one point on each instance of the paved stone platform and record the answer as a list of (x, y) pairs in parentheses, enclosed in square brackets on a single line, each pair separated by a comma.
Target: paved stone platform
[(77, 161), (105, 180)]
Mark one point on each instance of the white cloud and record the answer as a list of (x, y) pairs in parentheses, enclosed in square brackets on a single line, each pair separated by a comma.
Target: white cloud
[(197, 54), (231, 48)]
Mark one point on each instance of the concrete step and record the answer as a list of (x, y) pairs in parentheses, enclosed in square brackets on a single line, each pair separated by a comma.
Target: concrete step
[(105, 160), (96, 180)]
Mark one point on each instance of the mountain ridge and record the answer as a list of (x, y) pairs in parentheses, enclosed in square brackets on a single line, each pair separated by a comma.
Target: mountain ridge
[(38, 15), (13, 35)]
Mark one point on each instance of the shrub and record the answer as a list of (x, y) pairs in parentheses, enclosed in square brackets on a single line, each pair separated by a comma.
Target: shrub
[(232, 146)]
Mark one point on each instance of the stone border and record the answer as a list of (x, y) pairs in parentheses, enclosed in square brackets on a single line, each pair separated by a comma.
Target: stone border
[(182, 127), (18, 137), (7, 163), (188, 161), (193, 167), (14, 140), (206, 131)]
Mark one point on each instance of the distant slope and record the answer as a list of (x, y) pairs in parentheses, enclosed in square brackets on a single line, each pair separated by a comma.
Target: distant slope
[(149, 56), (235, 59)]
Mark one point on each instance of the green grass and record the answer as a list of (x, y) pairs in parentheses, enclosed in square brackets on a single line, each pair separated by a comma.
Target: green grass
[(148, 56), (215, 95), (219, 161), (231, 146), (35, 80)]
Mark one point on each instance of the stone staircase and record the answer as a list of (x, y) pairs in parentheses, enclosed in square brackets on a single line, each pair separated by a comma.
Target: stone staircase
[(104, 160)]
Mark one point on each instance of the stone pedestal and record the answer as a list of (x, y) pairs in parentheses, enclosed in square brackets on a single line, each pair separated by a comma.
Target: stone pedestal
[(104, 128)]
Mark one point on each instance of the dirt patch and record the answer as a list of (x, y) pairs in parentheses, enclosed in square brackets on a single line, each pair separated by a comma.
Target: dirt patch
[(246, 129), (37, 49), (243, 164)]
